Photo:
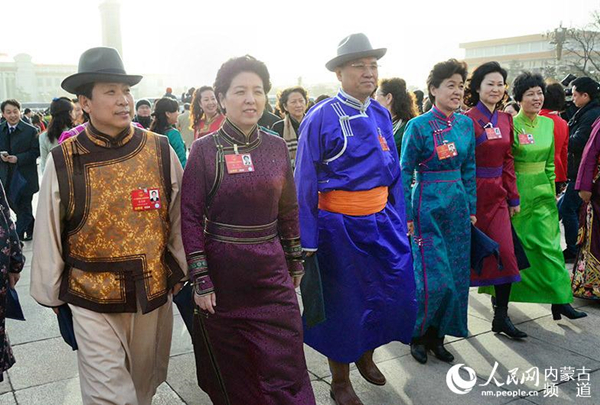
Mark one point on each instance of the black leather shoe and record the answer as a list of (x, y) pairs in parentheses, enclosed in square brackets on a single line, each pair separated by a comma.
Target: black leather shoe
[(441, 353), (418, 351), (566, 310), (503, 324)]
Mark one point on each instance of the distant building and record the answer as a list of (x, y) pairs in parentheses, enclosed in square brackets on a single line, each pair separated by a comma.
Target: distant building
[(529, 52), (30, 82), (27, 81)]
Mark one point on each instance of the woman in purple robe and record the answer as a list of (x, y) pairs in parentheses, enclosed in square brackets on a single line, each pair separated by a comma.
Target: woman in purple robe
[(241, 237)]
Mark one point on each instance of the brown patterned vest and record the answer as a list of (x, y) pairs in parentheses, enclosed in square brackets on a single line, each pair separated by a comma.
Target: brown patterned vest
[(115, 256)]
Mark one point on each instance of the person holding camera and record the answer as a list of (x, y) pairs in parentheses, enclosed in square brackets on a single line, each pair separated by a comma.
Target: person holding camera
[(585, 98)]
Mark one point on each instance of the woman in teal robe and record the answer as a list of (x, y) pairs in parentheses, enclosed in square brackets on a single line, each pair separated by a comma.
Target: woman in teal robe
[(547, 281), (440, 146)]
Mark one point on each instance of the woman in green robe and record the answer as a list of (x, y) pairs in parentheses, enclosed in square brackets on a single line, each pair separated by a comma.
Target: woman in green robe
[(547, 281)]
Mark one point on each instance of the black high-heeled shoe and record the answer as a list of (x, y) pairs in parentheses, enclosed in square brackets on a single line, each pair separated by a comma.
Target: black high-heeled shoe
[(436, 346), (502, 323), (418, 350), (566, 310)]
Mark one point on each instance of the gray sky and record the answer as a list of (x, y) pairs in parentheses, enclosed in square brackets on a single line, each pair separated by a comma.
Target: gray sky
[(191, 39)]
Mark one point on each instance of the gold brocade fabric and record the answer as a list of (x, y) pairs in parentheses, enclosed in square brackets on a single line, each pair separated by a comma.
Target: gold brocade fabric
[(112, 232)]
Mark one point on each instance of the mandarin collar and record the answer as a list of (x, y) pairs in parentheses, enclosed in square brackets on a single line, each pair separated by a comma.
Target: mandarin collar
[(525, 119), (439, 115), (236, 135), (353, 102), (107, 141)]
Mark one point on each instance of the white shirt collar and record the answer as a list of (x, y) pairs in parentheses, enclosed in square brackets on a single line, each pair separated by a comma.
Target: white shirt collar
[(353, 102)]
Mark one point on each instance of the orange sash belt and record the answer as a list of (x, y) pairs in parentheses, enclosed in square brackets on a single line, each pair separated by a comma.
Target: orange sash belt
[(354, 203)]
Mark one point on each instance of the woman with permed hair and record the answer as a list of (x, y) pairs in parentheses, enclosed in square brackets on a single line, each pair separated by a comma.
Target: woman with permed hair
[(206, 116), (400, 103), (497, 195), (292, 101), (239, 216), (440, 208), (547, 281)]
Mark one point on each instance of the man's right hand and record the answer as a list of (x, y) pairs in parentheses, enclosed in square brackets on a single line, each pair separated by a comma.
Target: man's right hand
[(206, 302)]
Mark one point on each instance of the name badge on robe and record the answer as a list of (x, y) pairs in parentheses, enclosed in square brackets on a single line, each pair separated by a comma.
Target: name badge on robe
[(526, 139), (493, 133), (447, 150), (145, 199), (382, 141), (239, 163)]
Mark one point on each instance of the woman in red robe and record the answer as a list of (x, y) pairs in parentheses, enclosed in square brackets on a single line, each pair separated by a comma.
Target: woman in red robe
[(554, 103), (206, 115), (497, 195)]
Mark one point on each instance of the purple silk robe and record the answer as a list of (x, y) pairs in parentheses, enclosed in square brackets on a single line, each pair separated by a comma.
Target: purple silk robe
[(250, 351)]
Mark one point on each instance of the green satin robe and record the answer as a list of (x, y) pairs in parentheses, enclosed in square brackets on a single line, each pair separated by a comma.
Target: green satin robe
[(547, 281)]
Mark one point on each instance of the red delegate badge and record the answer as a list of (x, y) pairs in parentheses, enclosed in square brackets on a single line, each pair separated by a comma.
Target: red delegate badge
[(447, 150), (493, 133), (383, 143), (526, 139), (145, 199), (239, 163)]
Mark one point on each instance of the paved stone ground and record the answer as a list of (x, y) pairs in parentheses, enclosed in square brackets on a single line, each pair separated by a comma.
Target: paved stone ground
[(46, 368)]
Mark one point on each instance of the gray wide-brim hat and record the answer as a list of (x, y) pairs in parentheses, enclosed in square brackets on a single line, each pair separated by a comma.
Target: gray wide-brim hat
[(99, 65), (354, 46)]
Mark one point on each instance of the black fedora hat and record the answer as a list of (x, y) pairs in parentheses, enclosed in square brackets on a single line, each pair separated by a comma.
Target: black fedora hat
[(100, 64), (354, 46)]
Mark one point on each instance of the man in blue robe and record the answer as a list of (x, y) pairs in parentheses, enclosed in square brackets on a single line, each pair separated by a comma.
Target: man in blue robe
[(352, 215)]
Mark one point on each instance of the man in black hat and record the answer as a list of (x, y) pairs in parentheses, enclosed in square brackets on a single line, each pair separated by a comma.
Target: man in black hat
[(104, 247), (19, 150), (143, 112), (352, 215)]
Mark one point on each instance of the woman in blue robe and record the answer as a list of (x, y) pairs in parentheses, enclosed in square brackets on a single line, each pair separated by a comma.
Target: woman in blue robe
[(440, 207)]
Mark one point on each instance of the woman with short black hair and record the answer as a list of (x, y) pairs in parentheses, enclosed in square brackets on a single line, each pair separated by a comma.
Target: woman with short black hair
[(242, 241), (392, 94), (547, 281), (554, 104), (440, 208), (497, 195)]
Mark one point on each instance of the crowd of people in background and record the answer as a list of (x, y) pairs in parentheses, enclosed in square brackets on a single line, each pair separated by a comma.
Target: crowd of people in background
[(373, 200)]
